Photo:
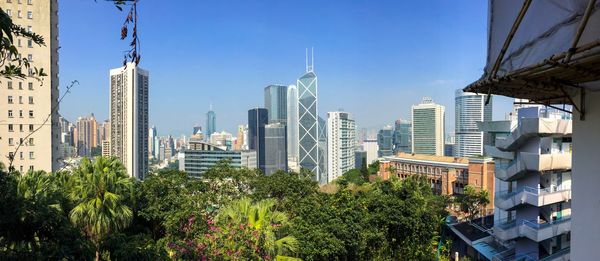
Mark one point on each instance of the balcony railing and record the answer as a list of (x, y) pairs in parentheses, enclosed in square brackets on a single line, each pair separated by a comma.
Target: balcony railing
[(527, 162), (509, 200), (511, 229), (534, 127), (562, 255)]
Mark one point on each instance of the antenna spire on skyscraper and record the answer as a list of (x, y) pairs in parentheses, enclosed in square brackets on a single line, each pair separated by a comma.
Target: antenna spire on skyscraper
[(311, 67)]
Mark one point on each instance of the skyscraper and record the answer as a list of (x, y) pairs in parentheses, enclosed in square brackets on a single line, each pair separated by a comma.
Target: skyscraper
[(276, 148), (257, 119), (29, 97), (322, 147), (241, 143), (470, 108), (276, 103), (308, 128), (341, 139), (151, 136), (292, 127), (129, 118), (385, 141), (211, 123), (87, 135), (403, 136), (428, 128)]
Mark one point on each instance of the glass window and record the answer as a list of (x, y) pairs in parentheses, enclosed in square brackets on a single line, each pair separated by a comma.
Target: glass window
[(21, 127), (10, 142), (29, 15), (10, 114), (30, 127), (9, 12), (30, 57), (31, 142), (9, 84), (10, 128), (20, 113), (29, 43), (18, 42), (30, 85), (21, 157), (31, 155), (20, 99), (30, 99), (29, 29), (30, 167), (30, 114), (19, 14), (10, 99), (20, 86), (29, 2)]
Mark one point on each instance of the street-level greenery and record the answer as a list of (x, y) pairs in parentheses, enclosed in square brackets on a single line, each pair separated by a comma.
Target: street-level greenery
[(96, 212)]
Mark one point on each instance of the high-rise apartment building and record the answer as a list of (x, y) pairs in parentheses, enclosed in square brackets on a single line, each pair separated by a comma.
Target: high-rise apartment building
[(292, 127), (403, 136), (201, 156), (308, 119), (470, 108), (129, 118), (276, 103), (26, 103), (104, 131), (241, 143), (385, 141), (222, 139), (87, 135), (428, 128), (371, 148), (211, 123), (275, 147), (341, 144), (257, 119)]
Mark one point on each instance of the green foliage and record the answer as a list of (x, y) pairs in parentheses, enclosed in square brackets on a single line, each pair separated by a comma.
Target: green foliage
[(100, 194), (473, 201), (373, 167), (354, 176)]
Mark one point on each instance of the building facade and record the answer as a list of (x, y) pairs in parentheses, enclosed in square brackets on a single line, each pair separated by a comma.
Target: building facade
[(152, 134), (470, 108), (308, 123), (341, 144), (402, 136), (201, 156), (447, 175), (372, 149), (428, 128), (26, 103), (292, 128), (211, 123), (275, 147), (257, 119), (385, 141), (129, 118), (87, 135), (532, 217), (276, 103)]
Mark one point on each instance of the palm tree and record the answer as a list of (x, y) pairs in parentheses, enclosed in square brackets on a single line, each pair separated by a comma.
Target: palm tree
[(261, 217), (100, 190)]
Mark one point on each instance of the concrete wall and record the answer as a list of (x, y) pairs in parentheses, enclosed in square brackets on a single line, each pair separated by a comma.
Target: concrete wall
[(586, 181)]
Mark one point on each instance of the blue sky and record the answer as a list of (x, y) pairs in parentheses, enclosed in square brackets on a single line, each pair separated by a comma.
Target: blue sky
[(374, 59)]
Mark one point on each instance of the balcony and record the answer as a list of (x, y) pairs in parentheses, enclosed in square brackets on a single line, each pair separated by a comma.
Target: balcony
[(492, 151), (562, 255), (534, 127), (541, 231), (506, 200), (506, 230), (527, 162)]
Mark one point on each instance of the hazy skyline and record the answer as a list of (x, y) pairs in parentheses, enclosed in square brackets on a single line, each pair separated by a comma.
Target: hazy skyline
[(373, 61)]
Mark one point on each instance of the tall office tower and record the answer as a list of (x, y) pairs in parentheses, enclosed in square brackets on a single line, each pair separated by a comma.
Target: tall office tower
[(26, 103), (151, 136), (322, 145), (276, 103), (211, 123), (402, 136), (341, 144), (129, 118), (87, 135), (257, 119), (292, 128), (241, 141), (275, 147), (308, 124), (222, 138), (385, 141), (532, 215), (470, 108), (428, 128), (372, 149)]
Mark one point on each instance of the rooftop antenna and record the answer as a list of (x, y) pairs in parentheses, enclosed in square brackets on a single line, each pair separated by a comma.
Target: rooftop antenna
[(310, 68), (210, 106), (306, 59)]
